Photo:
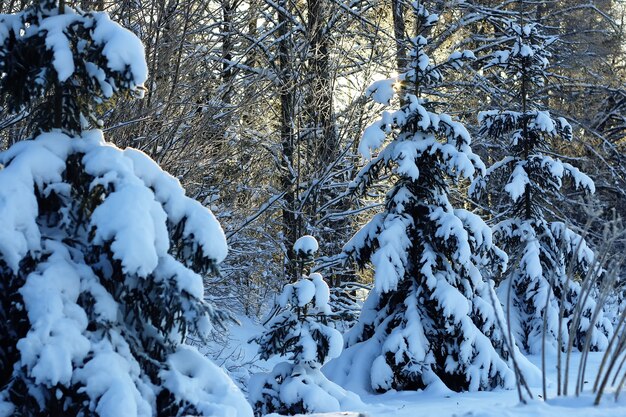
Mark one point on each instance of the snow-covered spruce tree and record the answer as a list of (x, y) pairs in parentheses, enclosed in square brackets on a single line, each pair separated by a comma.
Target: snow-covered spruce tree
[(546, 255), (430, 317), (64, 65), (300, 332), (101, 252)]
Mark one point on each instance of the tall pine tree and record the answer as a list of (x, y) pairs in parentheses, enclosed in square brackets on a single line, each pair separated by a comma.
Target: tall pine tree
[(546, 254), (101, 252), (430, 315)]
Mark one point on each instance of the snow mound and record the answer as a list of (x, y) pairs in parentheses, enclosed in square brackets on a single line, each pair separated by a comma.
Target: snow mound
[(306, 246), (195, 379)]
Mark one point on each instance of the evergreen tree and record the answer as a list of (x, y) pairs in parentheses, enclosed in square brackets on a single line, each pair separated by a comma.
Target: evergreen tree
[(430, 316), (300, 332), (547, 255), (101, 252), (66, 65)]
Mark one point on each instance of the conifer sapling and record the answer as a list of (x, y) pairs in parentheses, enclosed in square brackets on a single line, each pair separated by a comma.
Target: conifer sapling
[(300, 333)]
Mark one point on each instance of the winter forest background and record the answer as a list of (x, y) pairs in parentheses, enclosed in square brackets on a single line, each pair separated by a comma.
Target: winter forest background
[(420, 195)]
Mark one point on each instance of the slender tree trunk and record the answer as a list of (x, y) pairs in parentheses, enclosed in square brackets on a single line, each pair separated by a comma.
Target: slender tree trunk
[(253, 17), (287, 110), (321, 97), (58, 89), (325, 141), (527, 145), (228, 11), (399, 31)]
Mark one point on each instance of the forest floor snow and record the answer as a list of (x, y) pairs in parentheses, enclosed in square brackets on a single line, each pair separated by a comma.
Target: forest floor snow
[(240, 359)]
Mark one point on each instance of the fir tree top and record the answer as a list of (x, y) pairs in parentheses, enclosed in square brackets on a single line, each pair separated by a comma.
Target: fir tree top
[(420, 129), (63, 65), (535, 175), (527, 57)]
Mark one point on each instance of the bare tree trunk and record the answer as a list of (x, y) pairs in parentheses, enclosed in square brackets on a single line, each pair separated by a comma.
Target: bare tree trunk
[(228, 11), (321, 97), (287, 117), (399, 31), (325, 140)]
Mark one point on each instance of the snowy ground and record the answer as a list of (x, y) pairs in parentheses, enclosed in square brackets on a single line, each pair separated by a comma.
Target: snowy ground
[(494, 404), (443, 403)]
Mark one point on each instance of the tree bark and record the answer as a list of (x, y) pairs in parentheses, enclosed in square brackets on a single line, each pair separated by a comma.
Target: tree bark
[(287, 110), (399, 31)]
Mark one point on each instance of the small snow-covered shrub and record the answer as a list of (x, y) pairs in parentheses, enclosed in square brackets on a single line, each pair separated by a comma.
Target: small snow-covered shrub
[(101, 252), (300, 333), (305, 247)]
